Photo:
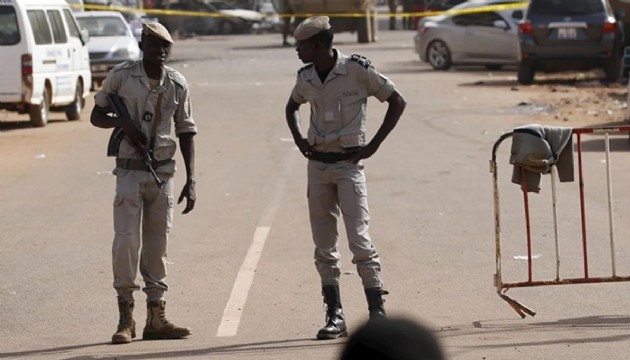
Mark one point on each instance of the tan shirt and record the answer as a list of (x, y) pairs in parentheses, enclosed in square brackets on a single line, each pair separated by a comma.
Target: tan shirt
[(131, 83), (338, 106)]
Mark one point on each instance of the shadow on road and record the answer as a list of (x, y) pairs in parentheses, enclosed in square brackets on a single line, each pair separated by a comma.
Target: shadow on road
[(236, 348), (60, 349), (562, 326), (14, 124)]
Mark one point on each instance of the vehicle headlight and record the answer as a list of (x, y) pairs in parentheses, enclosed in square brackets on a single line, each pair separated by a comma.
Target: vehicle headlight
[(121, 53)]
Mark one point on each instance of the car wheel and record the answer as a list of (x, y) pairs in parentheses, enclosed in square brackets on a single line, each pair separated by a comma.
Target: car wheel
[(39, 113), (525, 74), (73, 111), (439, 55), (612, 70), (494, 67)]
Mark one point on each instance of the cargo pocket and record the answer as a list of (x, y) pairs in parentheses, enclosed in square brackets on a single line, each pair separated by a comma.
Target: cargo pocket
[(126, 212)]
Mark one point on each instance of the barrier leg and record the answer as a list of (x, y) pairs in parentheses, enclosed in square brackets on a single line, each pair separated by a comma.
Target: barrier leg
[(611, 221), (520, 309)]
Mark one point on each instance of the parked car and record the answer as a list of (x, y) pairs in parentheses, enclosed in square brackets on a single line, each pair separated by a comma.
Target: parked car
[(181, 25), (232, 22), (111, 42), (560, 35), (44, 57), (487, 38), (237, 20)]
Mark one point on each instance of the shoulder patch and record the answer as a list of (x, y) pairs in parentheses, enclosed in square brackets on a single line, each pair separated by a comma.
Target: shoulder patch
[(305, 68), (361, 60), (177, 77), (124, 65)]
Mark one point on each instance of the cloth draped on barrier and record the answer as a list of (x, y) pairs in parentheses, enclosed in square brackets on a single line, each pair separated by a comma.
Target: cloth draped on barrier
[(536, 149)]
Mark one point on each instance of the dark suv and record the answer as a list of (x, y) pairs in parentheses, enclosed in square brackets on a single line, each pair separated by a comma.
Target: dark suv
[(558, 35)]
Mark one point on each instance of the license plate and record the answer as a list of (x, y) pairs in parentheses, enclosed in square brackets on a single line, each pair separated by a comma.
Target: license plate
[(567, 33), (99, 68)]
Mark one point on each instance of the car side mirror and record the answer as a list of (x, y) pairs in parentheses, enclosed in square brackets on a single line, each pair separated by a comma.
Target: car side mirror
[(518, 15), (500, 24), (85, 36)]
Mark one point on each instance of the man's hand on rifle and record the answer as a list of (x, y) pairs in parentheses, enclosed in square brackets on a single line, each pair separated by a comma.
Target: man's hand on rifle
[(135, 136)]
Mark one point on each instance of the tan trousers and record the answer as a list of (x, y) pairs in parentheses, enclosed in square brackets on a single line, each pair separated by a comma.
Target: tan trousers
[(143, 216), (334, 189)]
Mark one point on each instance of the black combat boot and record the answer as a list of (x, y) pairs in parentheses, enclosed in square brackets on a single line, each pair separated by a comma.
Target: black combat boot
[(335, 323), (375, 303)]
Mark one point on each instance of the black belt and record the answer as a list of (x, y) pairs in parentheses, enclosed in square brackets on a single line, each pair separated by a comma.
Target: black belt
[(333, 157), (138, 164)]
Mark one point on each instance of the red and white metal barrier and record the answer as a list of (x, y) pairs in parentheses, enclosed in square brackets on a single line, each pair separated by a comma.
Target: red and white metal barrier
[(501, 286)]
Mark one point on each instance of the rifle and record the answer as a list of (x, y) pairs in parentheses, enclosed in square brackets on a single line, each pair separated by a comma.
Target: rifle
[(121, 112)]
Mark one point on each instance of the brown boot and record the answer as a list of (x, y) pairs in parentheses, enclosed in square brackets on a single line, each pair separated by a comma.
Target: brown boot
[(126, 325), (158, 327)]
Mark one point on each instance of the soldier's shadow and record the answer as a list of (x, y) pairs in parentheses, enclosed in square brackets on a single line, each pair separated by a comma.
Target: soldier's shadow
[(263, 346)]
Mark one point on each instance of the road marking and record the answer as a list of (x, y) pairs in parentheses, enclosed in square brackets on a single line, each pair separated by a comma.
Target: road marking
[(236, 303)]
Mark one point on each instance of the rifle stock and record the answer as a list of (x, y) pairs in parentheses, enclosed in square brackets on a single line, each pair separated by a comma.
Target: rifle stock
[(121, 111)]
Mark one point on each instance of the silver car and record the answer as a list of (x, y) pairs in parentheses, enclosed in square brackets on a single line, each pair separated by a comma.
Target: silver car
[(465, 36), (111, 41)]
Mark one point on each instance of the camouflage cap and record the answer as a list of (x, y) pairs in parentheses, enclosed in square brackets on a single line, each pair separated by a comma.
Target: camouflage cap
[(310, 27), (156, 29)]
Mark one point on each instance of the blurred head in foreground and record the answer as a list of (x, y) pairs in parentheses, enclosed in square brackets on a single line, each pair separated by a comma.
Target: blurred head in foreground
[(392, 339)]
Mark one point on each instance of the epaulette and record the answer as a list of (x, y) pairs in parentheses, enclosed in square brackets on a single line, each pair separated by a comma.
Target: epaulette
[(176, 76), (361, 60), (125, 65), (305, 68)]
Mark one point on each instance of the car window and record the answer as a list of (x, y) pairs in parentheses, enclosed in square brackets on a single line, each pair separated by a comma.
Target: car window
[(565, 7), (104, 26), (59, 32), (72, 26), (477, 19), (40, 27), (9, 30)]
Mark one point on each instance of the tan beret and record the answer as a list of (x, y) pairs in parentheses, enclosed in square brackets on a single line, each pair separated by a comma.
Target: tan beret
[(310, 27), (156, 29)]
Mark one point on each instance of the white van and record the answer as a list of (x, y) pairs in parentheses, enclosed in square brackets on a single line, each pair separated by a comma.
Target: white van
[(44, 60)]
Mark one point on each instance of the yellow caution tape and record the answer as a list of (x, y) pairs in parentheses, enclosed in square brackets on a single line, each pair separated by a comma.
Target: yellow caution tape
[(519, 5)]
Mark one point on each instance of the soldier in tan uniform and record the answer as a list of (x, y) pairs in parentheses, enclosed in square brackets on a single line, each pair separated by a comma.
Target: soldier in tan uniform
[(337, 88), (157, 98)]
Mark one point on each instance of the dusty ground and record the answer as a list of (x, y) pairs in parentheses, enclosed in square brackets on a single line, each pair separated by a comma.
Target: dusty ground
[(579, 99)]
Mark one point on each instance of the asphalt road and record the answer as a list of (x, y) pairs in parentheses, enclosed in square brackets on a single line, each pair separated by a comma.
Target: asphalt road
[(240, 265)]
